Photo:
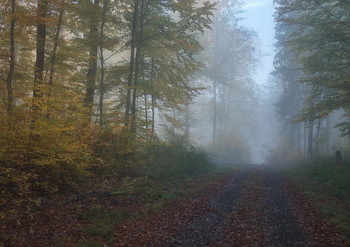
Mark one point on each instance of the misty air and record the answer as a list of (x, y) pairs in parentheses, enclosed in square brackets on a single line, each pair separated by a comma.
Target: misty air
[(188, 123)]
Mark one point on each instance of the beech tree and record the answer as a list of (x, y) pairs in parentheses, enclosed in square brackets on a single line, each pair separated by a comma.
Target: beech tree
[(320, 42), (80, 76)]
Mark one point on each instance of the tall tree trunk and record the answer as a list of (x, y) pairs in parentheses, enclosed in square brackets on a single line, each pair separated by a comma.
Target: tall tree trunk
[(54, 53), (92, 68), (317, 138), (9, 84), (214, 114), (187, 120), (328, 134), (103, 21), (153, 100), (146, 114), (305, 130), (298, 139), (138, 59), (310, 140), (131, 64), (40, 48), (153, 116), (55, 46), (40, 61)]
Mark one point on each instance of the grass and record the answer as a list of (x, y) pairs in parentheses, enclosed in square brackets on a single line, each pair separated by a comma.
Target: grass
[(89, 243), (328, 187), (103, 223), (153, 194)]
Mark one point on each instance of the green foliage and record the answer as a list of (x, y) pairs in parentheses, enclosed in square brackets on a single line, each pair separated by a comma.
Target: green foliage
[(328, 186), (333, 178), (89, 243), (176, 160), (45, 156), (103, 223), (318, 38), (50, 142)]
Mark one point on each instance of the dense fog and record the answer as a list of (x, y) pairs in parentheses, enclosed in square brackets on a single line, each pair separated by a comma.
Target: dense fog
[(250, 111)]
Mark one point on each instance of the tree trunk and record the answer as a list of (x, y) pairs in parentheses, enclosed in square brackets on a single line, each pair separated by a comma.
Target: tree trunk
[(92, 68), (310, 140), (328, 137), (131, 64), (9, 83), (54, 54), (146, 114), (187, 120), (39, 62), (298, 139), (55, 46), (317, 139), (305, 129), (103, 21), (40, 48), (138, 60), (215, 114), (153, 100), (153, 115)]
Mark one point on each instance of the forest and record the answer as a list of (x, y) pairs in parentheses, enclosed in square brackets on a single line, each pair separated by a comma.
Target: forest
[(107, 86), (111, 110)]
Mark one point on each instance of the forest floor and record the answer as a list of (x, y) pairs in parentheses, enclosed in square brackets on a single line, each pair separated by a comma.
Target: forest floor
[(251, 206)]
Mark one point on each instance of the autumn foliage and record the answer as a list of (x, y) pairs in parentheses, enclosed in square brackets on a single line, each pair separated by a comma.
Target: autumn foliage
[(78, 104)]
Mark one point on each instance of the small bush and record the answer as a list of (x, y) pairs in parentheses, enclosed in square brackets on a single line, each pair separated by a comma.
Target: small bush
[(174, 161), (334, 178), (103, 223), (283, 154), (230, 148)]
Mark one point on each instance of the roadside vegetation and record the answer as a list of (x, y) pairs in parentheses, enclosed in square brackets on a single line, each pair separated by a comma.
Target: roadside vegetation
[(327, 186), (104, 196)]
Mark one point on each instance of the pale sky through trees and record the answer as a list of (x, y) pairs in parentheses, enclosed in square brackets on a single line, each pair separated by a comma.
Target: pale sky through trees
[(258, 15)]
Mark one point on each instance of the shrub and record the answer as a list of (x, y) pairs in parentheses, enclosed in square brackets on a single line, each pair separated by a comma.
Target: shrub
[(176, 160)]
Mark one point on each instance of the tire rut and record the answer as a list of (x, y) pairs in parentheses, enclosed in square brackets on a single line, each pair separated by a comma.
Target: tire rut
[(208, 227), (284, 231), (253, 210)]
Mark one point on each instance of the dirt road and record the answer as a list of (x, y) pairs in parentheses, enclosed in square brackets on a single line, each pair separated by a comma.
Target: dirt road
[(255, 207)]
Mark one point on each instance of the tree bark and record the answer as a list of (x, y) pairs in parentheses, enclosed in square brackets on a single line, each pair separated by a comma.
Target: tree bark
[(138, 59), (40, 48), (305, 129), (55, 46), (39, 62), (214, 114), (187, 120), (103, 21), (54, 54), (146, 114), (92, 68), (299, 126), (310, 140), (153, 100), (153, 116), (9, 84), (317, 138), (131, 64), (328, 137)]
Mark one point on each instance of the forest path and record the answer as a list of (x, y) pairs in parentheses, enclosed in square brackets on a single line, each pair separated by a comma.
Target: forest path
[(252, 210), (257, 206), (251, 206)]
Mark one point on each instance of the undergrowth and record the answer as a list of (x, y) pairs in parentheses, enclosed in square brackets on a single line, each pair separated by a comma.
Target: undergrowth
[(159, 174), (328, 187)]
